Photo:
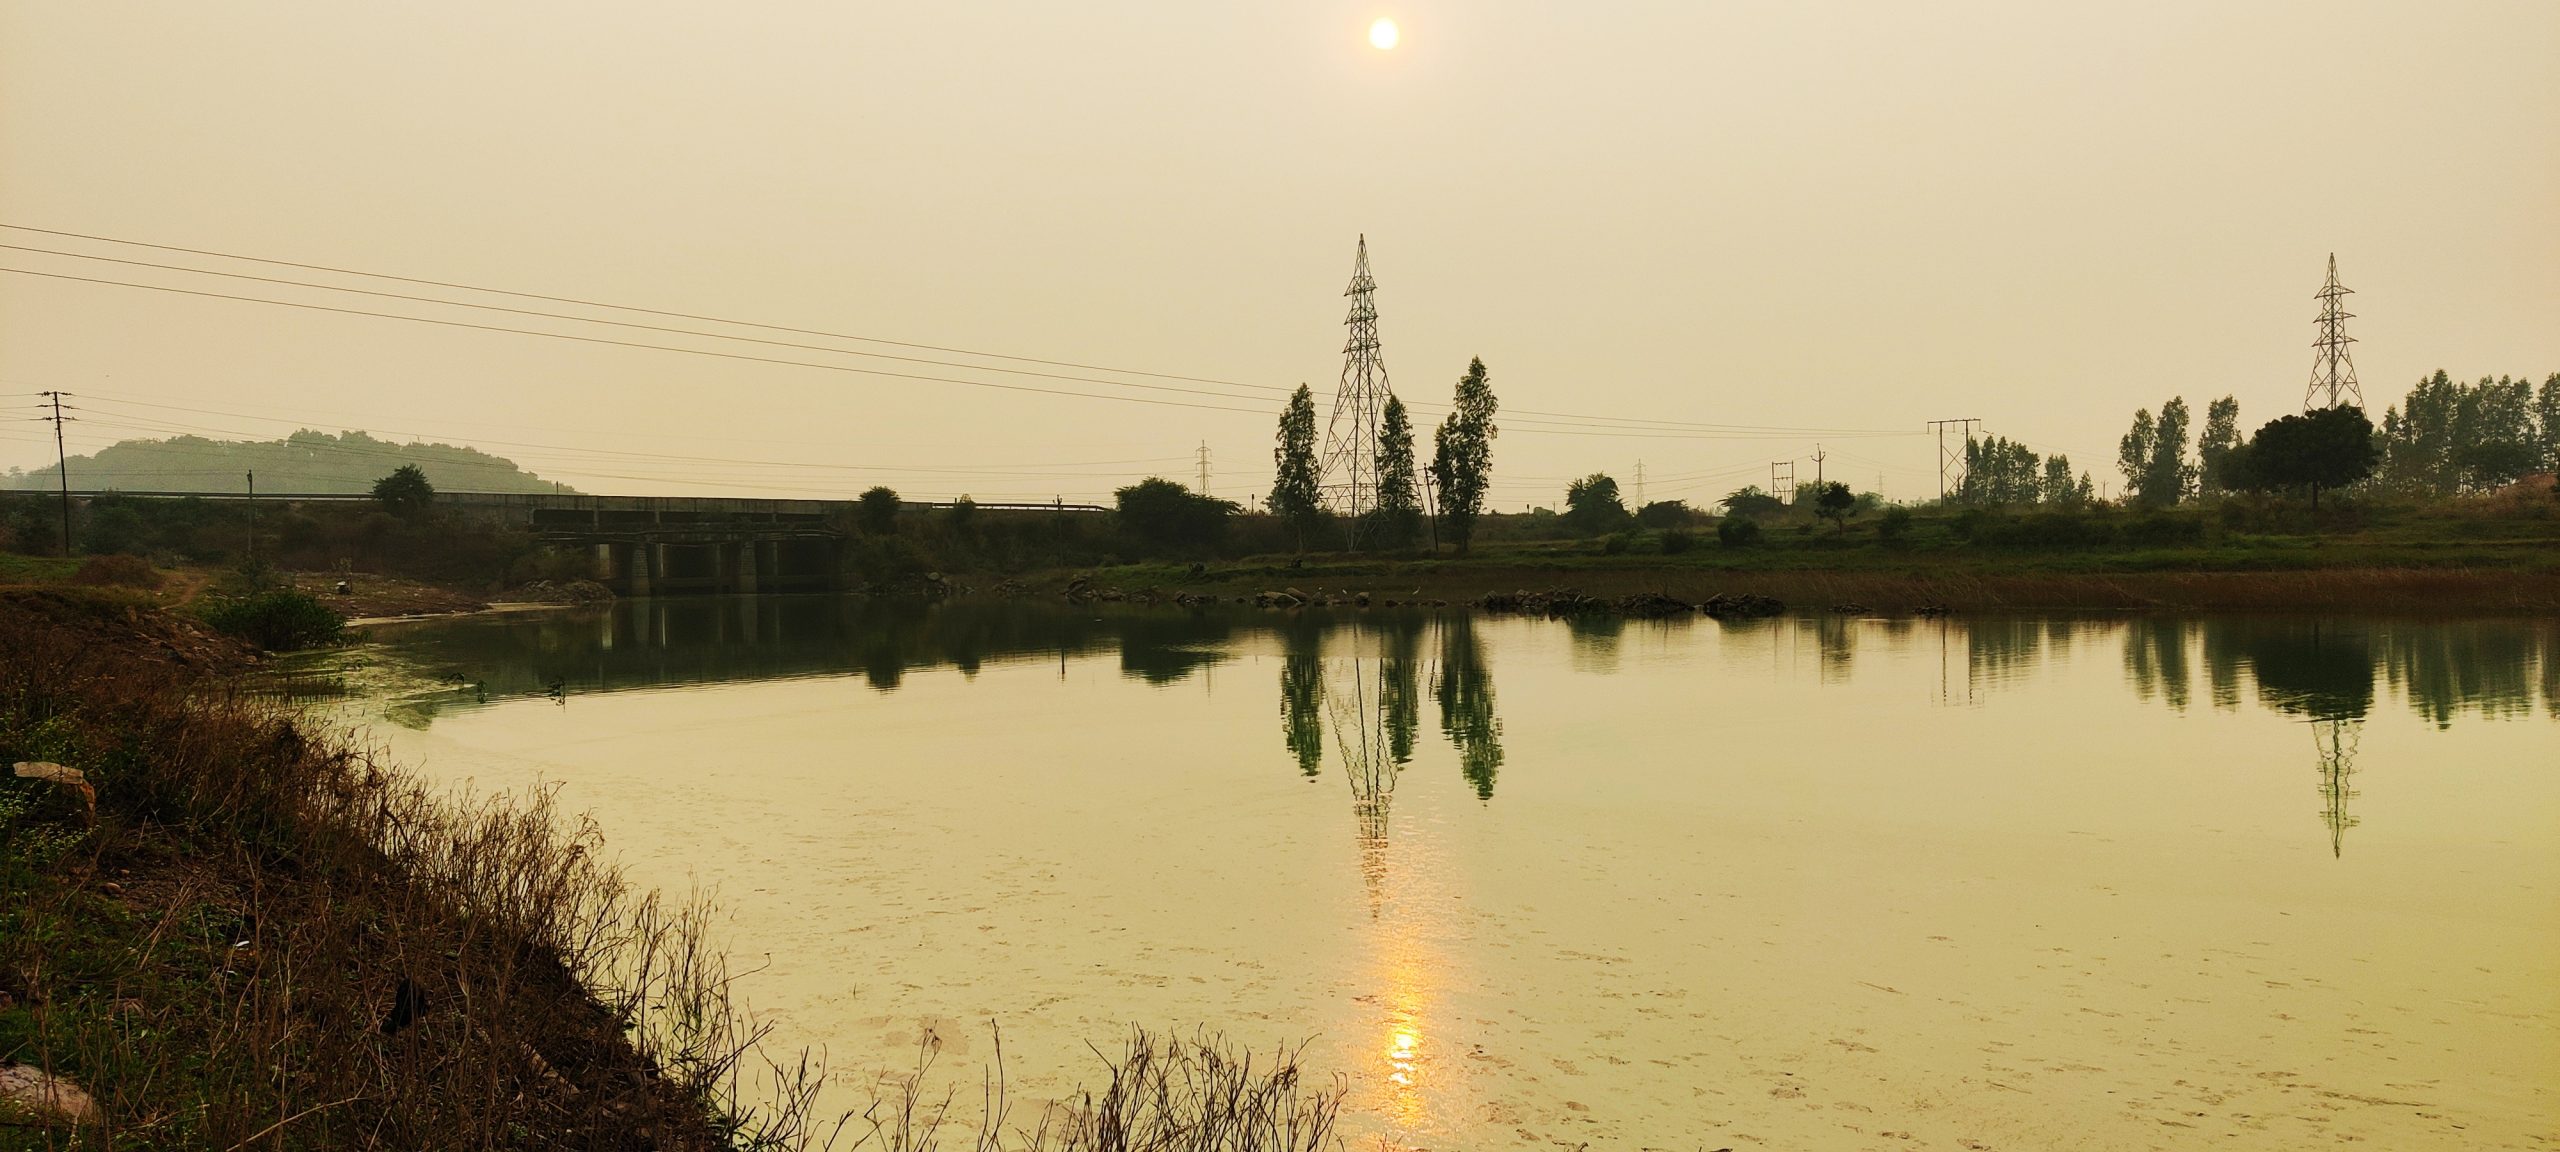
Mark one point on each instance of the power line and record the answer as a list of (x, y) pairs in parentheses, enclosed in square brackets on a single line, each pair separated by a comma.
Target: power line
[(619, 323), (629, 343), (1517, 415), (628, 307)]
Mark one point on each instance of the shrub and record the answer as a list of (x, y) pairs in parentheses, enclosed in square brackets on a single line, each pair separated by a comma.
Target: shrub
[(1675, 542), (1736, 532), (1615, 544), (281, 620), (2158, 531), (1895, 523), (117, 570)]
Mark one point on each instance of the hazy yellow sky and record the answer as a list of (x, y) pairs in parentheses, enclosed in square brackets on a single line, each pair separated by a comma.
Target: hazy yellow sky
[(1778, 215)]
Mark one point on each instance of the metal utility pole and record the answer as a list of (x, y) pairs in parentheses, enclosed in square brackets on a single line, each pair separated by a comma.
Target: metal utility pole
[(1955, 460), (1782, 480), (2333, 371), (1639, 483), (61, 464), (1203, 489), (1350, 470)]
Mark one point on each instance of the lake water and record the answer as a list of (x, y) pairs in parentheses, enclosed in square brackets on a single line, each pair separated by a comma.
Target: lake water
[(1797, 883)]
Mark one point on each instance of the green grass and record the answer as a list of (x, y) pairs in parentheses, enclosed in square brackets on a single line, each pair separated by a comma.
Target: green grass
[(2240, 556), (17, 569)]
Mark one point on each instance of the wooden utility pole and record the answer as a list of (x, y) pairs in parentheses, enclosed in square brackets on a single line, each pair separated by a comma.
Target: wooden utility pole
[(61, 467)]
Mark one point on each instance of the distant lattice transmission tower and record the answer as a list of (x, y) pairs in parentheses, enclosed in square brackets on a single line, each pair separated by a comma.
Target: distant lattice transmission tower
[(2333, 371), (1351, 438)]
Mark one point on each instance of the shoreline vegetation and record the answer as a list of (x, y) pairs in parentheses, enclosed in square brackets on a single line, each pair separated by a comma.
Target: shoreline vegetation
[(221, 927), (2495, 553)]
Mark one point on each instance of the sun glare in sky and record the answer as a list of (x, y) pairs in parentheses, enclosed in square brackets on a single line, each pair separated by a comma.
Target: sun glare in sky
[(1383, 33)]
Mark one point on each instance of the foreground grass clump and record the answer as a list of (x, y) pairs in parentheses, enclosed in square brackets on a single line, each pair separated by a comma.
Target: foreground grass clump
[(278, 619), (1163, 1093)]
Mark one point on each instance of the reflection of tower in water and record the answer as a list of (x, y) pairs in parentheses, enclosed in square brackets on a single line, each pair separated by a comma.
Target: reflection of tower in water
[(1360, 737), (2335, 738), (2320, 671)]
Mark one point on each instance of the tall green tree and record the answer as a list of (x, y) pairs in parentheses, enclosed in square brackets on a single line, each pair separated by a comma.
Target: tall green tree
[(2153, 456), (2546, 417), (1999, 471), (2214, 448), (1592, 504), (2170, 477), (2059, 489), (1399, 515), (1297, 496), (2133, 452), (1834, 502), (1462, 454), (2323, 448), (405, 492)]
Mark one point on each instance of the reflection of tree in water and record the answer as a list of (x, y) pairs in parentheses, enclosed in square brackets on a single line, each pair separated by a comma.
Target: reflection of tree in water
[(1400, 686), (1467, 718), (2549, 643), (2320, 671), (2155, 660), (1835, 639), (1596, 639), (2476, 666), (1999, 651), (1302, 696)]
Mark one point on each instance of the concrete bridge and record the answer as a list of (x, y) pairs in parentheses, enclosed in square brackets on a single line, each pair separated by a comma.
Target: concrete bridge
[(652, 545)]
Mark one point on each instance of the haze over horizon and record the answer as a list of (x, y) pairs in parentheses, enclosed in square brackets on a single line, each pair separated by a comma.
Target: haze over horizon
[(1769, 217)]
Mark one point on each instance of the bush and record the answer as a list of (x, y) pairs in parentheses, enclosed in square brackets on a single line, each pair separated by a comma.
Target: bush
[(1614, 545), (2159, 531), (117, 571), (1675, 542), (282, 620), (1895, 523), (1736, 532)]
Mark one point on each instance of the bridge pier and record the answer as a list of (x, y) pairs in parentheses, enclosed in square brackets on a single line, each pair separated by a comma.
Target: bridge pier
[(642, 567), (747, 567)]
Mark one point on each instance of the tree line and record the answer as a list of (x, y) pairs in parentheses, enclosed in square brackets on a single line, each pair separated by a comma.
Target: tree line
[(2445, 439)]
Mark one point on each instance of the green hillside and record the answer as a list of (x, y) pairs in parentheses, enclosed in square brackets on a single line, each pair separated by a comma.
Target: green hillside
[(307, 461)]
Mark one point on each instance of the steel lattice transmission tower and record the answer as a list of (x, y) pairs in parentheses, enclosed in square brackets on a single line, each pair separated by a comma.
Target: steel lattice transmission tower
[(2333, 371), (1351, 438)]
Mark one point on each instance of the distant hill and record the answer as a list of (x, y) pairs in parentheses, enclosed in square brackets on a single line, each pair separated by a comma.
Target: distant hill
[(307, 461)]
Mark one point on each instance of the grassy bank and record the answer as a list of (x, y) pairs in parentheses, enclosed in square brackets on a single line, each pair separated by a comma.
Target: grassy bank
[(263, 936), (2476, 557)]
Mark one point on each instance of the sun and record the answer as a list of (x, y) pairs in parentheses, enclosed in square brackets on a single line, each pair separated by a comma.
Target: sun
[(1382, 35)]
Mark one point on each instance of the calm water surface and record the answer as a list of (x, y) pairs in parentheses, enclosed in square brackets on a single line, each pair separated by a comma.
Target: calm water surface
[(1804, 883)]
